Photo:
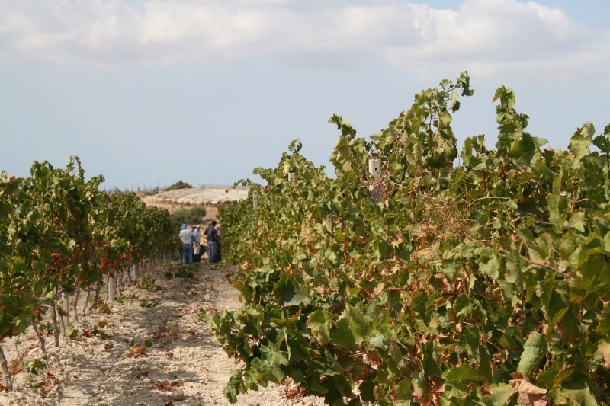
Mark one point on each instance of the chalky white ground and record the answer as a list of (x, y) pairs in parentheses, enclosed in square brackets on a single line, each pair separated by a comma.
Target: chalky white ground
[(206, 195), (184, 365)]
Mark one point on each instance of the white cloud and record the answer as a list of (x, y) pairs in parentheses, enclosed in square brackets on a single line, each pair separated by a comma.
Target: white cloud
[(482, 36)]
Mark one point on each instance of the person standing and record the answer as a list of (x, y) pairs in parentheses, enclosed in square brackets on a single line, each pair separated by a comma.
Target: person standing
[(212, 238), (218, 247), (197, 244), (186, 236)]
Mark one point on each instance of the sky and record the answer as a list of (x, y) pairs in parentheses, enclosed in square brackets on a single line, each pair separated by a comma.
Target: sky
[(150, 92)]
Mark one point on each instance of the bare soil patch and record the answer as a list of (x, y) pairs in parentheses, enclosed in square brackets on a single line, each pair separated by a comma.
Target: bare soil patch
[(107, 362)]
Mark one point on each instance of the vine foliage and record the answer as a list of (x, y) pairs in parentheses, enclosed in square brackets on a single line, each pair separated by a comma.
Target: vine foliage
[(482, 282), (60, 233)]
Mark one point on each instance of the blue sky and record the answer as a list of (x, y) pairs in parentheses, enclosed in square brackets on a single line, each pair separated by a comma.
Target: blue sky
[(148, 92)]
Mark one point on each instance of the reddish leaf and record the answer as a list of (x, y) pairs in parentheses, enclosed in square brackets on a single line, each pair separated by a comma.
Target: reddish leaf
[(137, 350)]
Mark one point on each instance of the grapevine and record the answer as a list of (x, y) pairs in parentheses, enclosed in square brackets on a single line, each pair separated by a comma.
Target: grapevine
[(484, 281), (59, 234)]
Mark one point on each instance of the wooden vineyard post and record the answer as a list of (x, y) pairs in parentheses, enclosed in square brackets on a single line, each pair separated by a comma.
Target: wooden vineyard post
[(65, 315), (375, 172), (255, 201), (8, 383), (110, 286), (134, 273)]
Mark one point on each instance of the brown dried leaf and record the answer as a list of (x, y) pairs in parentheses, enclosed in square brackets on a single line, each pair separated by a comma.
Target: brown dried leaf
[(529, 394), (533, 400), (604, 350), (524, 386), (137, 350), (165, 386), (15, 366)]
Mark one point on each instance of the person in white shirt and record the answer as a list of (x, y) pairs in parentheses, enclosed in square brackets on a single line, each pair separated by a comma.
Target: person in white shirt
[(186, 236), (197, 243)]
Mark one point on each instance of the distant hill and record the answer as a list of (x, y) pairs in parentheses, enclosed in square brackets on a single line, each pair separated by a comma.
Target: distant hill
[(206, 196)]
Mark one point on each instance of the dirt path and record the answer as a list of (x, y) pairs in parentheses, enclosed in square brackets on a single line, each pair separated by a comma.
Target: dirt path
[(183, 365)]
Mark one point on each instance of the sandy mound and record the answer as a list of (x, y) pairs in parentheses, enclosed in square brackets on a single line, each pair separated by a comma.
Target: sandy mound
[(203, 196)]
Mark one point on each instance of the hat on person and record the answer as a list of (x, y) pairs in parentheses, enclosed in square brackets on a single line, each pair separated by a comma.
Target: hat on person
[(183, 226)]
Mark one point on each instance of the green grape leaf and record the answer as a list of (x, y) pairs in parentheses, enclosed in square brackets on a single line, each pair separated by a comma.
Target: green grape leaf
[(288, 292), (534, 351), (320, 322), (581, 141)]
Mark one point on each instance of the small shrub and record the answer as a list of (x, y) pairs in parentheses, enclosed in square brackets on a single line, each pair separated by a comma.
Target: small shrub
[(73, 333), (36, 365), (179, 185), (121, 297), (148, 283), (180, 271), (103, 308), (189, 215), (99, 332), (202, 316), (147, 304)]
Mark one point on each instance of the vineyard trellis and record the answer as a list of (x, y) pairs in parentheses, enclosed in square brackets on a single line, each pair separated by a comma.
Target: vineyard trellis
[(481, 283), (61, 235)]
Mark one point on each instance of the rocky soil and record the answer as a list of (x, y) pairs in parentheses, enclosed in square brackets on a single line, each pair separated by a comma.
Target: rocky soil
[(106, 360)]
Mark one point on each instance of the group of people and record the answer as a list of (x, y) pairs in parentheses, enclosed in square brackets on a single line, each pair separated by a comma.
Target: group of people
[(192, 249)]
